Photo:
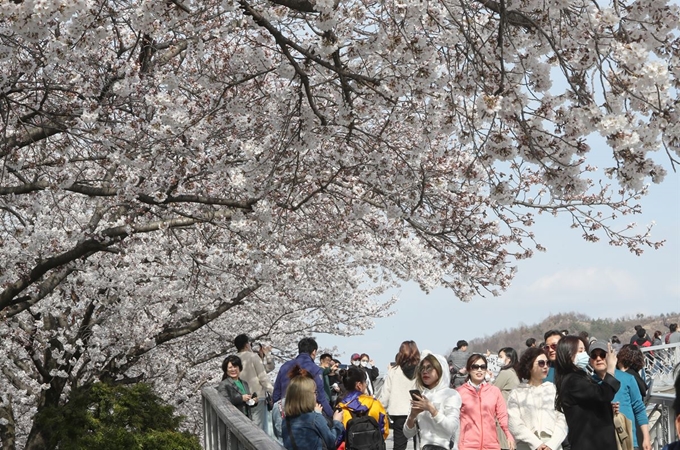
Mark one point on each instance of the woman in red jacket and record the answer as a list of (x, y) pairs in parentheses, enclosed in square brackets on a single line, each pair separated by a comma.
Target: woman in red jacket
[(483, 404)]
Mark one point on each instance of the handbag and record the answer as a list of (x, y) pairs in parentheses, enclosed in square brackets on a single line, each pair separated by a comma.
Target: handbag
[(433, 447), (269, 400), (624, 432)]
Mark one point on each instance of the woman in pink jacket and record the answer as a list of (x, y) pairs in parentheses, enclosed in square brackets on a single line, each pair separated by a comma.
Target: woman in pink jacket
[(483, 404)]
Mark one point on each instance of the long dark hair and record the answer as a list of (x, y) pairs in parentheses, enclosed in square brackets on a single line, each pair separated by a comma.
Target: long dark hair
[(567, 348), (512, 356)]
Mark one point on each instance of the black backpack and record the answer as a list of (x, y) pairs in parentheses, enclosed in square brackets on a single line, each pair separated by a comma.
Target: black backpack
[(363, 433)]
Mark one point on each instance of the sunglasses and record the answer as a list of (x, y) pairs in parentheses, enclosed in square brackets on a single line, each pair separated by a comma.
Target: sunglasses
[(426, 368), (598, 354), (542, 363), (478, 367), (551, 346)]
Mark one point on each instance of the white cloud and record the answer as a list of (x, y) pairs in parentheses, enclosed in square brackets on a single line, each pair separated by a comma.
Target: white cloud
[(589, 280)]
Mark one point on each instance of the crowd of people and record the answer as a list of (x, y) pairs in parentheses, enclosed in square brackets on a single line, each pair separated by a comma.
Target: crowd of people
[(566, 392)]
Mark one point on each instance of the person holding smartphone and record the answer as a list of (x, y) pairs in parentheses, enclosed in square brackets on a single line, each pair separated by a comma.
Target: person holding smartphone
[(435, 407)]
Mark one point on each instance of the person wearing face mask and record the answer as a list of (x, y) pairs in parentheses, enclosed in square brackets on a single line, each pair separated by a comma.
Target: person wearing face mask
[(365, 363), (506, 381), (586, 403), (483, 405)]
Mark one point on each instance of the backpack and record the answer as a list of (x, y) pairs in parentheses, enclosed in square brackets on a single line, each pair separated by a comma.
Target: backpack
[(363, 433)]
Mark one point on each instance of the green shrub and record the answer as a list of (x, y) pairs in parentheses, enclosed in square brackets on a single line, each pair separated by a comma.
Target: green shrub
[(108, 417)]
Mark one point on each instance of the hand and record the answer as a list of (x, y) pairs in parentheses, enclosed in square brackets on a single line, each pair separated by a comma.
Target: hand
[(372, 363), (615, 407), (611, 359), (337, 415), (511, 444), (318, 408), (646, 444), (246, 397), (423, 404)]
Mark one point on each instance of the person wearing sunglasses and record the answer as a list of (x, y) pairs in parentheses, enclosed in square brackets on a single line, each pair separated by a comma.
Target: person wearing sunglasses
[(627, 399), (435, 410), (551, 338), (533, 420), (586, 404), (483, 405)]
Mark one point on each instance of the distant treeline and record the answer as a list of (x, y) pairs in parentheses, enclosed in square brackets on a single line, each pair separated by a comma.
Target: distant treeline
[(623, 327)]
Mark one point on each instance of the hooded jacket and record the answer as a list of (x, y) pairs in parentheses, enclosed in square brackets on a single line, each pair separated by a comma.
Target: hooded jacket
[(438, 430), (478, 417)]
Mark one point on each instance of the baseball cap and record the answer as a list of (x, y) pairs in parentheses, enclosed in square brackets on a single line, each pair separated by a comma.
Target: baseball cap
[(598, 345), (356, 356)]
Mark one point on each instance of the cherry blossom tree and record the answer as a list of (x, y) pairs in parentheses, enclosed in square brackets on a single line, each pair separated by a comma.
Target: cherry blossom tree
[(176, 173)]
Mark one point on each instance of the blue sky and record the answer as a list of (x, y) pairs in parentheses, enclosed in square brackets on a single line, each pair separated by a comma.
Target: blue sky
[(572, 275)]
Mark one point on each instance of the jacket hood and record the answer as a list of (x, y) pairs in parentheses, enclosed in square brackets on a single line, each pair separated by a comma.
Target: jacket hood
[(445, 379)]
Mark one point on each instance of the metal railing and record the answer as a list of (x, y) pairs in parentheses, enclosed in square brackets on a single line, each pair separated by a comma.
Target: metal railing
[(662, 367), (226, 428)]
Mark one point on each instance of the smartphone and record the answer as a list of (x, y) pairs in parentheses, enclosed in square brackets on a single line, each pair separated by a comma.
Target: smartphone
[(416, 394), (342, 366), (253, 395)]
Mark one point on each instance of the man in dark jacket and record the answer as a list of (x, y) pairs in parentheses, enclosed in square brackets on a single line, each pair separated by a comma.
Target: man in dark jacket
[(307, 348)]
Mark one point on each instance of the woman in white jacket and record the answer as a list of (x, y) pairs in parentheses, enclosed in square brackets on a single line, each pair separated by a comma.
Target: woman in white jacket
[(437, 409), (394, 394), (533, 420)]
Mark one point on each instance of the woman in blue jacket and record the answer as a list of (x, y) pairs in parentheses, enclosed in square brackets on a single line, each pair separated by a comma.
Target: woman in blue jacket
[(304, 426)]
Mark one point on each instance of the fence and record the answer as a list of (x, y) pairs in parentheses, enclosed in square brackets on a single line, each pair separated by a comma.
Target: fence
[(662, 367), (226, 428)]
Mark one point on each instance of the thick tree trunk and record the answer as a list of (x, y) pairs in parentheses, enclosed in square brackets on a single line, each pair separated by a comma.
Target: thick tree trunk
[(36, 439)]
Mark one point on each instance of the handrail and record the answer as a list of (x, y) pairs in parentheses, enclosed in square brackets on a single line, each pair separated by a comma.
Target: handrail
[(226, 428), (662, 366)]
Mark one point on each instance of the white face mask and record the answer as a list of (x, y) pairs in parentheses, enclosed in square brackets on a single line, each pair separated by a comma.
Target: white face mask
[(356, 363), (581, 360), (364, 363)]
